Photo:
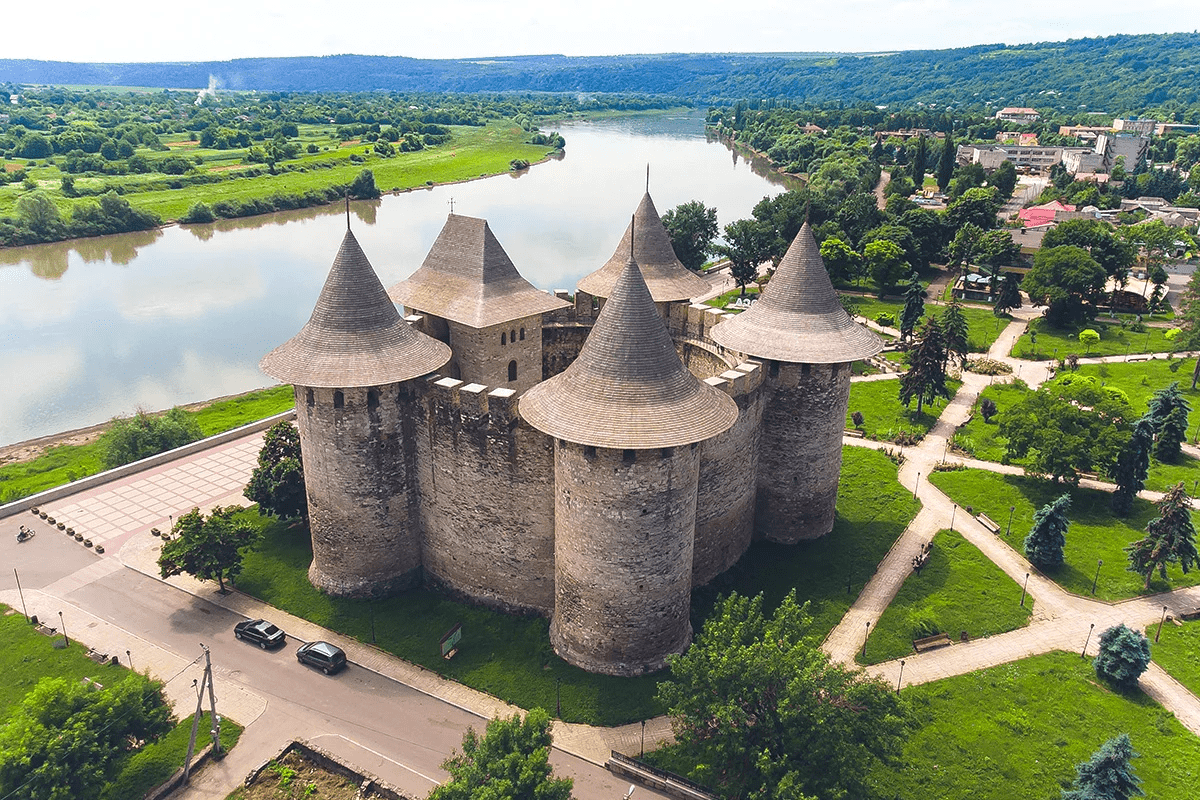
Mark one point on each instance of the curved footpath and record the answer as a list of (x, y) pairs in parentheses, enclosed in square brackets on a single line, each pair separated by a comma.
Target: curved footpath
[(1060, 620)]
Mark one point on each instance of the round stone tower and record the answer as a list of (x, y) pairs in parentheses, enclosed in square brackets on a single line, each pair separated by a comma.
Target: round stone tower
[(349, 365), (627, 419), (808, 343)]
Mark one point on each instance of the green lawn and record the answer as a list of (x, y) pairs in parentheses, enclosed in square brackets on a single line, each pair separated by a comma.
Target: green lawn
[(983, 326), (884, 416), (959, 589), (1095, 534), (1178, 652), (1114, 341), (155, 763), (982, 440), (723, 300), (66, 463), (1018, 730), (1141, 379), (511, 658)]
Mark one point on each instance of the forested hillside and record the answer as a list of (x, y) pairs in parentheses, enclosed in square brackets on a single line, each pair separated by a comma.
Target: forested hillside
[(1116, 74)]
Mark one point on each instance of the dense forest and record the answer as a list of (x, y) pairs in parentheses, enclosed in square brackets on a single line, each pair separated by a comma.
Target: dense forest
[(1116, 74)]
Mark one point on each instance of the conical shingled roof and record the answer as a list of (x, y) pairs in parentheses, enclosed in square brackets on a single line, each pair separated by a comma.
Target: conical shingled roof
[(468, 278), (798, 318), (667, 279), (628, 389), (355, 336)]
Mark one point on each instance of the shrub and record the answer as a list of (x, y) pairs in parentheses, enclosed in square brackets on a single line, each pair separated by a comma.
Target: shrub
[(143, 435), (987, 408), (885, 319), (199, 212), (1124, 655), (987, 366)]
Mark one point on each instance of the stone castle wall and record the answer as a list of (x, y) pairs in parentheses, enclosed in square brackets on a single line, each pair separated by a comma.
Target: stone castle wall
[(625, 522), (486, 485), (490, 355), (800, 455), (358, 474)]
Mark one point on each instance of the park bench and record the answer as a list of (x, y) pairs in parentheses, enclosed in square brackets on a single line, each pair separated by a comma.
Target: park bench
[(932, 642), (1191, 614), (988, 522), (853, 433), (1091, 476)]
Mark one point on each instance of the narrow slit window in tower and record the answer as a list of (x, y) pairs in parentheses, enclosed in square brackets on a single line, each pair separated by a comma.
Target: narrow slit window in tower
[(339, 399), (309, 399), (503, 339), (522, 334), (512, 370), (373, 399)]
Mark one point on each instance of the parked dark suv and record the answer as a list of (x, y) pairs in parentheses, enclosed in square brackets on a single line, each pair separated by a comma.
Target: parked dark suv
[(260, 632), (324, 656)]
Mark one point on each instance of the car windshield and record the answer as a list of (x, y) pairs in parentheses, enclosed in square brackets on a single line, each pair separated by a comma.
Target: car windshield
[(268, 629)]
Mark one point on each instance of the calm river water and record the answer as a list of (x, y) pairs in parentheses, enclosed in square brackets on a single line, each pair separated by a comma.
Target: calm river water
[(101, 327)]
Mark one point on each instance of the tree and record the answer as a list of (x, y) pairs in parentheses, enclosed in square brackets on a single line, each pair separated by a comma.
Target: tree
[(749, 244), (1108, 775), (1087, 338), (693, 228), (840, 260), (1123, 657), (926, 377), (363, 186), (885, 262), (1046, 539), (962, 247), (510, 762), (919, 162), (1008, 297), (1066, 279), (277, 483), (1004, 179), (988, 409), (928, 232), (1114, 255), (763, 713), (1132, 467), (207, 549), (977, 206), (1170, 538), (67, 738), (130, 439), (40, 215), (1169, 413), (945, 168), (955, 332), (914, 306)]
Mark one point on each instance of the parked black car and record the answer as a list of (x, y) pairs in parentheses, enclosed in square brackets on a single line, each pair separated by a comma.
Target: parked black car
[(324, 656), (260, 632)]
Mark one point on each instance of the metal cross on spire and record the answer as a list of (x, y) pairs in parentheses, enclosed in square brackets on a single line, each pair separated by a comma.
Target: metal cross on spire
[(647, 177), (347, 210)]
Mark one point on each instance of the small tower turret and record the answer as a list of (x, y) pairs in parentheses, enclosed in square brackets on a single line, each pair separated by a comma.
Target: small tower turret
[(808, 341), (627, 418), (349, 365)]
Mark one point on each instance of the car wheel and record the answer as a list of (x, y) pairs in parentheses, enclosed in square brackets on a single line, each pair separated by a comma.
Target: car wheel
[(325, 670), (263, 645), (237, 635)]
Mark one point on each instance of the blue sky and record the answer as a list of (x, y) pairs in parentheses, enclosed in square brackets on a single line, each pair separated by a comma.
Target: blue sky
[(186, 30)]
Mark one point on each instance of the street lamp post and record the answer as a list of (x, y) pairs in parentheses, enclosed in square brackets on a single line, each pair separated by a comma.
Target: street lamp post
[(1160, 624), (643, 737), (945, 450), (62, 626), (1088, 640), (1011, 509), (915, 485), (1099, 564), (899, 679), (865, 639), (129, 658), (953, 512), (1024, 589)]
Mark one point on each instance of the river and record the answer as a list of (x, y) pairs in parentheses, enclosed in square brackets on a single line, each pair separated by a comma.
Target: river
[(97, 328)]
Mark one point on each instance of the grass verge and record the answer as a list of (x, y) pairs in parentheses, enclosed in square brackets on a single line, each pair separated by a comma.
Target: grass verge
[(1095, 534), (1057, 342), (1178, 652), (884, 416), (155, 763), (65, 463), (511, 658), (959, 589)]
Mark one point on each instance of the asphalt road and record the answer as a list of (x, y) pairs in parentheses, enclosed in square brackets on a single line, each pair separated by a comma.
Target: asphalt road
[(382, 726)]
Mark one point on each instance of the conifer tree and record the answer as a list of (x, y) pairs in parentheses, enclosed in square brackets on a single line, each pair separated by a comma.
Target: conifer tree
[(1108, 775), (1124, 655), (1171, 434), (919, 162), (1170, 538), (1008, 296), (945, 169), (955, 332), (1046, 540), (1133, 465), (926, 376), (914, 306)]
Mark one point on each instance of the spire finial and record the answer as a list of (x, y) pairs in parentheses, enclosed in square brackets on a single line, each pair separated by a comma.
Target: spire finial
[(647, 177), (347, 209), (807, 208), (632, 231)]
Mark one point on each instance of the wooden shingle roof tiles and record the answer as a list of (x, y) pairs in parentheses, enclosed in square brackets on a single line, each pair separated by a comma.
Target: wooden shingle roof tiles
[(355, 336), (628, 389), (667, 279), (468, 278), (798, 318)]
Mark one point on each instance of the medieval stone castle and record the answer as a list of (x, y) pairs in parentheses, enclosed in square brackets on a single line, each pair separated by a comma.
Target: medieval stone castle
[(589, 460)]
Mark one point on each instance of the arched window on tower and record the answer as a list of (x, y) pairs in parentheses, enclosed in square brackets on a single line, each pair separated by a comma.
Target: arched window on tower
[(339, 399), (309, 399), (522, 334), (512, 371), (503, 339), (512, 335)]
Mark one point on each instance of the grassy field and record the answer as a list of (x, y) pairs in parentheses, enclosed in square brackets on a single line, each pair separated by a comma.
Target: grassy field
[(1178, 652), (1018, 730), (723, 300), (472, 153), (959, 589), (66, 463), (983, 326), (1141, 379), (1095, 534), (884, 416), (1054, 342), (511, 658), (27, 656), (982, 440)]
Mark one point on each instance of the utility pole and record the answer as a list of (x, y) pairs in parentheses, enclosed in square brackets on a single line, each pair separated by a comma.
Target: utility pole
[(212, 701), (187, 759)]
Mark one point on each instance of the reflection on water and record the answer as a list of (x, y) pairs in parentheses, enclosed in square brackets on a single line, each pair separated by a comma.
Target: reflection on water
[(157, 318)]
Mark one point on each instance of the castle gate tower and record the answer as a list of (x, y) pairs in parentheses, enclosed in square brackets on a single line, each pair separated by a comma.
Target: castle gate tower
[(808, 342), (474, 300), (628, 420), (349, 365)]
